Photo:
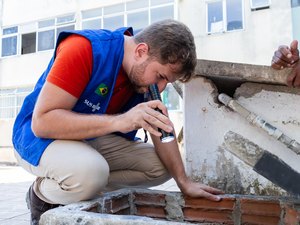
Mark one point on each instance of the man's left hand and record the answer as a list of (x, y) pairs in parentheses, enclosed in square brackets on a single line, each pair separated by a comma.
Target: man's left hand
[(195, 190)]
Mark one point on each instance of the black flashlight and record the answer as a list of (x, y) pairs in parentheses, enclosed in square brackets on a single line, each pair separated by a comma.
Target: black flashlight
[(155, 95)]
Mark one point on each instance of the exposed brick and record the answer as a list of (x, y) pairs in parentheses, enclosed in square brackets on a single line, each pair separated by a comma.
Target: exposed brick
[(92, 208), (259, 220), (150, 211), (149, 199), (225, 203), (125, 211), (115, 204), (291, 216), (261, 207), (212, 216)]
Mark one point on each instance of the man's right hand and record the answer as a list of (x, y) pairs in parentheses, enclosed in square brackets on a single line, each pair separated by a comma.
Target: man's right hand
[(145, 116), (285, 57)]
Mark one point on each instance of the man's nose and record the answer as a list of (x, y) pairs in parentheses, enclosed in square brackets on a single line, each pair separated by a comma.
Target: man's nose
[(162, 85)]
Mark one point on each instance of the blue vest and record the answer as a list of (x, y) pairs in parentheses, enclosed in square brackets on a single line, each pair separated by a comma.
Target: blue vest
[(108, 52)]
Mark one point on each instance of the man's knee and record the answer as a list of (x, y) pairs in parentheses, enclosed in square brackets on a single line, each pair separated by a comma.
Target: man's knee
[(95, 176), (86, 179)]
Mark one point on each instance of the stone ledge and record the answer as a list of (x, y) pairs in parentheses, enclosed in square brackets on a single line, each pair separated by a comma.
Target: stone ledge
[(242, 72)]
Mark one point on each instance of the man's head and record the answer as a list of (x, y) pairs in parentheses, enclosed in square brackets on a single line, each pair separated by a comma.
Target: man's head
[(170, 42), (161, 53)]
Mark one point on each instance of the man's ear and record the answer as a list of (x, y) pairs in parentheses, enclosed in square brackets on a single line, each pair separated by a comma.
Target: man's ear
[(141, 50)]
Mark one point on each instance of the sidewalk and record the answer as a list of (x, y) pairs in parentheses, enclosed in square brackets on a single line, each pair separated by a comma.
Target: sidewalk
[(14, 183)]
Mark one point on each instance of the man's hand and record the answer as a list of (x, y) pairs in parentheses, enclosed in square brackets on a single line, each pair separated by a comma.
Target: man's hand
[(293, 79), (195, 190), (145, 116), (285, 57)]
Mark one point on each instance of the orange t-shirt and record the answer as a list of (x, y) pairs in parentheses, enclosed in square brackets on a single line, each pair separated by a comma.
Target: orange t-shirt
[(72, 71)]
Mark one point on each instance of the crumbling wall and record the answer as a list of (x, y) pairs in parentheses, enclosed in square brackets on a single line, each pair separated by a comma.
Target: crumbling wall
[(213, 132)]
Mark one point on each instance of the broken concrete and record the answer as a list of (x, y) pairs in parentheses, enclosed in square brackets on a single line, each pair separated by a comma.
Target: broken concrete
[(264, 163), (207, 121), (242, 72)]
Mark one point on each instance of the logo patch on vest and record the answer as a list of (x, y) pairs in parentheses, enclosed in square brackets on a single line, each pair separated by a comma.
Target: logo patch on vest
[(102, 90)]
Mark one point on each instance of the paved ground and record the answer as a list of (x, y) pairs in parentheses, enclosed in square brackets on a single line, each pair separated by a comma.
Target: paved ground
[(14, 183)]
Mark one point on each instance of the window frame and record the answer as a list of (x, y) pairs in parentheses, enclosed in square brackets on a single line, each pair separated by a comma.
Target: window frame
[(3, 36), (50, 27), (14, 94), (33, 27), (261, 6), (224, 18), (148, 6)]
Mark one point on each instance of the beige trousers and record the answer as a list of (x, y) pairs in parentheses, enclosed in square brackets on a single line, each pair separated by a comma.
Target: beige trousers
[(72, 171)]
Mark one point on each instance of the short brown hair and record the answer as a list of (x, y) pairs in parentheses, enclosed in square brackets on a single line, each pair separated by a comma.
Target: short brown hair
[(171, 41)]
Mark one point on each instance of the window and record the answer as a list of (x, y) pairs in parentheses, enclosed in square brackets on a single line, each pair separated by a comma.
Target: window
[(161, 13), (92, 19), (137, 14), (171, 98), (114, 22), (295, 3), (35, 36), (11, 101), (113, 16), (259, 4), (224, 15), (9, 41), (138, 20), (46, 34), (28, 43), (64, 28), (234, 15), (65, 23), (215, 17)]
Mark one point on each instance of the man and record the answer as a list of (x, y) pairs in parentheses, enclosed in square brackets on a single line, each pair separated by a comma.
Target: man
[(76, 130), (285, 57)]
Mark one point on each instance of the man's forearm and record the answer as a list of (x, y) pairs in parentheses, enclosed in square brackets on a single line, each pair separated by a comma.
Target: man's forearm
[(65, 124), (171, 158)]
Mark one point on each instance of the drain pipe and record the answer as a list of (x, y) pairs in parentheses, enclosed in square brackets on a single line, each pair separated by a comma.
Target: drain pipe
[(260, 122)]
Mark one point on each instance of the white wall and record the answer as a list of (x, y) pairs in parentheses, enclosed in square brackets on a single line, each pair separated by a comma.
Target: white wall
[(264, 30), (24, 70), (32, 10)]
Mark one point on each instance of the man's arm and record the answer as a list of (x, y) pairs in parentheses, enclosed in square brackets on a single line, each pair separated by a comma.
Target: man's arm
[(53, 118), (170, 156)]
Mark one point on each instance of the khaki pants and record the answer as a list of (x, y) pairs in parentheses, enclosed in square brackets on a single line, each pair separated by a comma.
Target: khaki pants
[(72, 171)]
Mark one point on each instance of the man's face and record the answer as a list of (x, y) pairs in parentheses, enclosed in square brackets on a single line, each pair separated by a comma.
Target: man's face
[(150, 72)]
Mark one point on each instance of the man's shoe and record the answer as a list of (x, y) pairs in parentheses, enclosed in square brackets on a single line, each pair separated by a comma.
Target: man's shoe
[(36, 206)]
